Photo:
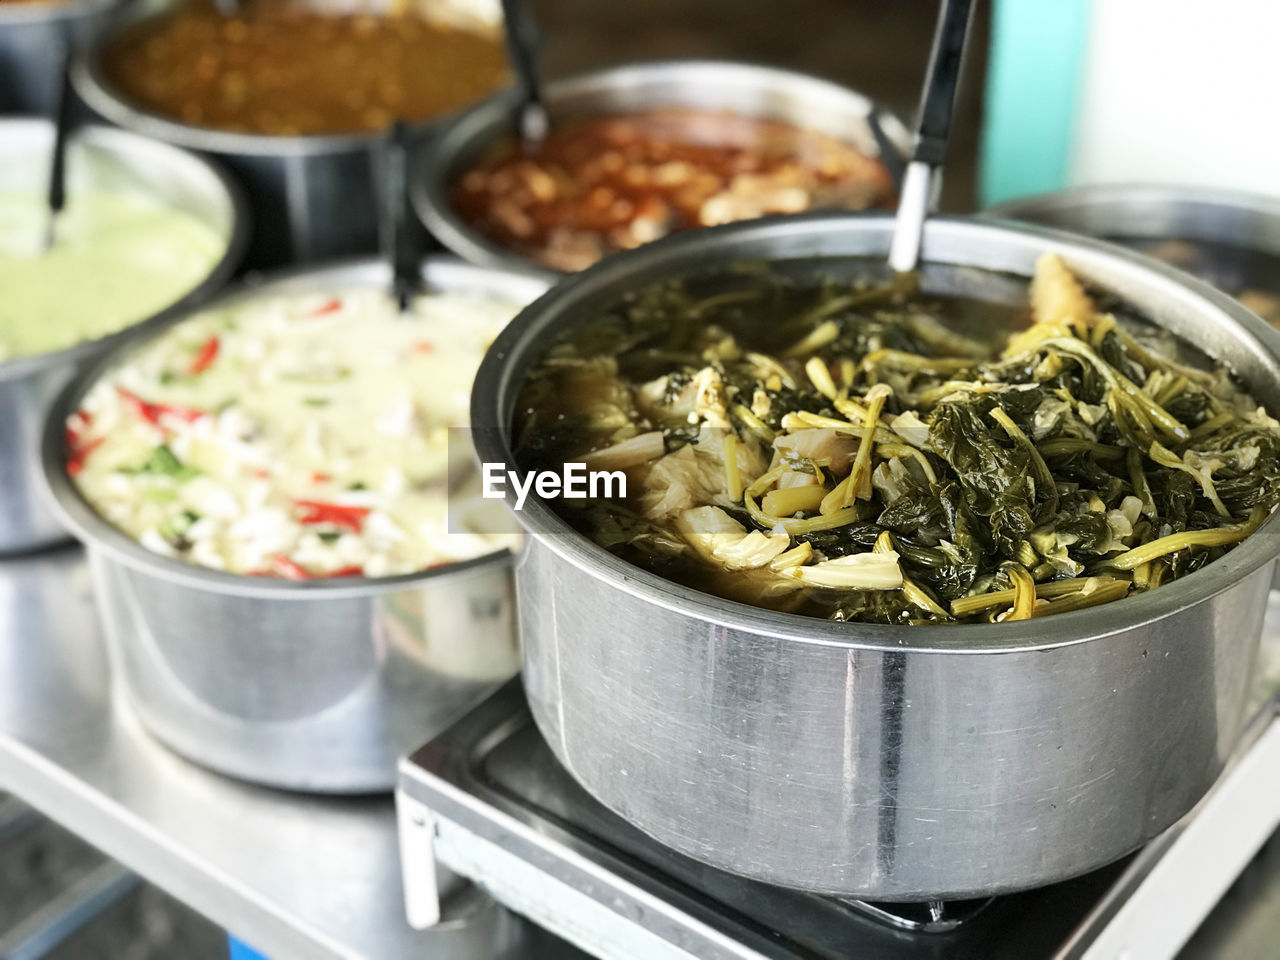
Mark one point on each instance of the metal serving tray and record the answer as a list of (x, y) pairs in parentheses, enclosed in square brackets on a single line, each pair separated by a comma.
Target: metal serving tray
[(488, 800)]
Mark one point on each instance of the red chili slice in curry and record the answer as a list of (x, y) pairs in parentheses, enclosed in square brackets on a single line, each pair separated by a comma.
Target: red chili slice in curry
[(152, 412), (205, 357), (333, 514)]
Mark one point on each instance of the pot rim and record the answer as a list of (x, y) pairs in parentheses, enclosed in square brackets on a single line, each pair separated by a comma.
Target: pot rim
[(480, 125), (493, 397), (237, 243), (97, 533), (91, 83)]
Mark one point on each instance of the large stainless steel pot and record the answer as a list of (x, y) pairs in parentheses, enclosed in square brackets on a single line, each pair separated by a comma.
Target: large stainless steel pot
[(317, 685), (99, 157), (881, 762), (747, 89), (314, 197), (30, 36)]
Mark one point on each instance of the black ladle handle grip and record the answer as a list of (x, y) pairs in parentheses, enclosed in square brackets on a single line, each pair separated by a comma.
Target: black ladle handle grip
[(932, 130), (523, 47), (61, 132), (399, 245), (938, 103)]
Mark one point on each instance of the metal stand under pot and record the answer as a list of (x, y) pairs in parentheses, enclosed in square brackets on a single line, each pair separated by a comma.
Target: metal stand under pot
[(488, 800)]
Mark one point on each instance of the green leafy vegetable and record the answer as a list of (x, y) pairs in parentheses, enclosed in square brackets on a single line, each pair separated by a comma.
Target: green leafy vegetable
[(174, 529), (1008, 473), (164, 463)]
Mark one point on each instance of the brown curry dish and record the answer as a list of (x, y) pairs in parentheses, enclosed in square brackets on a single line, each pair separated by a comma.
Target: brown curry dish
[(280, 68)]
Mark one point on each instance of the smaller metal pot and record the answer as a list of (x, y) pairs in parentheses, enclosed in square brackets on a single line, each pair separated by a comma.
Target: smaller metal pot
[(98, 156), (315, 198), (747, 89), (1218, 230), (1155, 212), (316, 685), (30, 36)]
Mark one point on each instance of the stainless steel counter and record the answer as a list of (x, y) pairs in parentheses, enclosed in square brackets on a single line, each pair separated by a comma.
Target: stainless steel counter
[(295, 876)]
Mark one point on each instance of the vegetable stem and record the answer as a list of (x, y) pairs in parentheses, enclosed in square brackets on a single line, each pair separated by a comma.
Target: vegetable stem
[(1217, 537), (965, 606), (1024, 592), (796, 527), (788, 502), (732, 475), (1101, 593)]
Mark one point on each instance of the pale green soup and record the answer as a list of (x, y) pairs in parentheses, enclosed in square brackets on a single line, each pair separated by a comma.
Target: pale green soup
[(117, 258)]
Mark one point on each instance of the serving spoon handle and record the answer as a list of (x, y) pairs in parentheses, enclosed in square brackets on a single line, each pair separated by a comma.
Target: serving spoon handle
[(57, 194), (398, 242), (523, 45), (933, 127)]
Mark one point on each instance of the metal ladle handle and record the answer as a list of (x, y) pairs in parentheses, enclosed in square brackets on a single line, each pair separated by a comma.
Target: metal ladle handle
[(56, 196), (523, 44), (932, 131), (398, 242)]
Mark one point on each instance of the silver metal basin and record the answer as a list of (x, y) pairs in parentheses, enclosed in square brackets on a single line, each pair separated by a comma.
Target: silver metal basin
[(314, 197), (884, 762), (1127, 213), (30, 36), (314, 686), (747, 89), (1225, 237), (97, 157)]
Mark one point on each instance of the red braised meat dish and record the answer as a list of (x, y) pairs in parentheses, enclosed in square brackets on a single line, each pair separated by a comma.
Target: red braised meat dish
[(611, 183)]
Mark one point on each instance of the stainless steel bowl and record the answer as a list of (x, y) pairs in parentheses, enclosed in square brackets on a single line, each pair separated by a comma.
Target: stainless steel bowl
[(1132, 213), (30, 37), (1225, 237), (882, 762), (747, 89), (315, 197), (318, 685), (97, 156)]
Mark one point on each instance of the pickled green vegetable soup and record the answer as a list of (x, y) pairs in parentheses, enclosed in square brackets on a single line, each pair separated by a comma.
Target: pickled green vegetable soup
[(863, 451)]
